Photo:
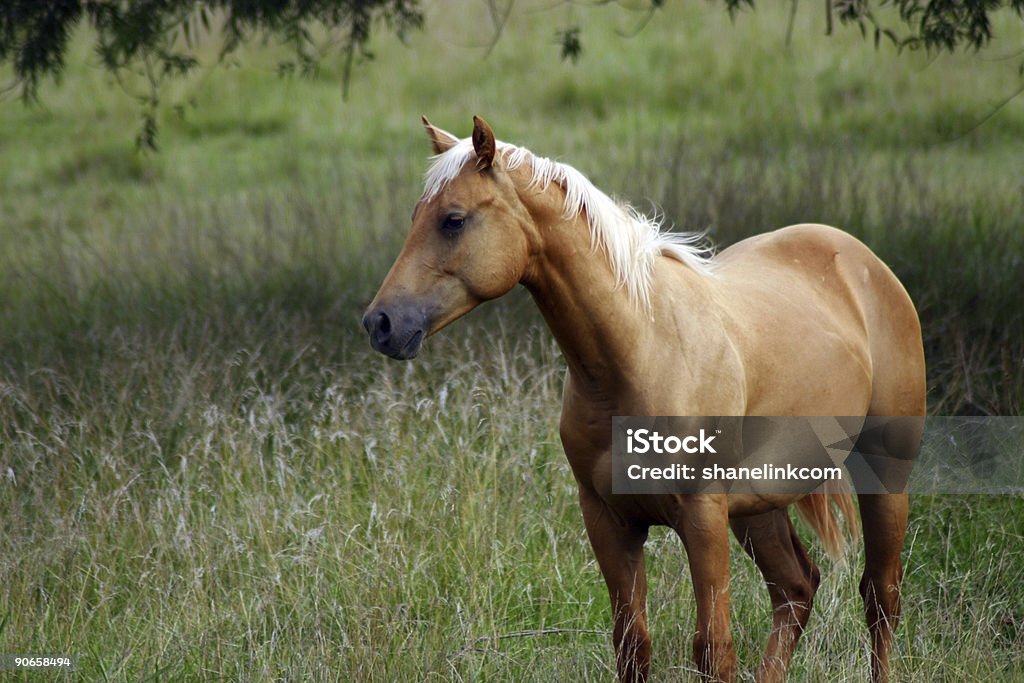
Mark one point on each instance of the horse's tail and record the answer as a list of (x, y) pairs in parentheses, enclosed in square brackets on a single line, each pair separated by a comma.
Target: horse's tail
[(818, 510)]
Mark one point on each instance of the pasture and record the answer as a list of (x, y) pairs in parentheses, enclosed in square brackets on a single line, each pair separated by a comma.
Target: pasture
[(207, 474)]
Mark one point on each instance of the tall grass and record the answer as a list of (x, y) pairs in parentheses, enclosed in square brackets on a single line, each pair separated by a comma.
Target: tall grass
[(206, 474)]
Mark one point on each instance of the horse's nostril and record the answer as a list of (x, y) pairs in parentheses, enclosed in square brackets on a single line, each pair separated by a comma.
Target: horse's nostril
[(378, 325)]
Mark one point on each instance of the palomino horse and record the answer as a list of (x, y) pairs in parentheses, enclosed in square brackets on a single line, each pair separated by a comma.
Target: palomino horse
[(801, 321)]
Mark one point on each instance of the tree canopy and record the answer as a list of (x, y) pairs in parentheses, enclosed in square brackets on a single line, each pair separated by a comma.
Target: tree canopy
[(158, 37)]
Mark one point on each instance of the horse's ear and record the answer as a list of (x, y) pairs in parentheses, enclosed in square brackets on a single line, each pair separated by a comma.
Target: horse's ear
[(442, 141), (483, 143)]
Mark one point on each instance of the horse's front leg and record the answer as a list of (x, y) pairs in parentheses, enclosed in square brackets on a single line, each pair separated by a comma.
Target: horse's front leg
[(704, 528), (619, 547)]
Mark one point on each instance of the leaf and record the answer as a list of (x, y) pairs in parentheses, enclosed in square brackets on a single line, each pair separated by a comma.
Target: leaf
[(146, 138), (572, 48)]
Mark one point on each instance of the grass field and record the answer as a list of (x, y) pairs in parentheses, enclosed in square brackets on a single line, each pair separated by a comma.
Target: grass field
[(206, 473)]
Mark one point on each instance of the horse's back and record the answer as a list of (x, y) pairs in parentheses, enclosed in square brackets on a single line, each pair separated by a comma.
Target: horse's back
[(806, 250), (849, 315)]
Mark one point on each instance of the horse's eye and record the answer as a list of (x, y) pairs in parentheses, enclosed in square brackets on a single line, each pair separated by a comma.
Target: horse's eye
[(453, 222)]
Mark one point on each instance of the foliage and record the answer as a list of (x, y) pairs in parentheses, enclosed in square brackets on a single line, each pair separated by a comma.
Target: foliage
[(160, 36), (930, 24)]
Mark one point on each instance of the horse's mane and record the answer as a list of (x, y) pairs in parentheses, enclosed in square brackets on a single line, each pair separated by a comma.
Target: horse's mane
[(631, 240)]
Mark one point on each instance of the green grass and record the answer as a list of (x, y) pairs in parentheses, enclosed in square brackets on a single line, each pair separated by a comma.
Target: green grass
[(205, 473)]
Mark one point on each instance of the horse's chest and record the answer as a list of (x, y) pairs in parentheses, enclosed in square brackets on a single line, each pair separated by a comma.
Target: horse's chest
[(588, 448), (596, 473), (586, 431)]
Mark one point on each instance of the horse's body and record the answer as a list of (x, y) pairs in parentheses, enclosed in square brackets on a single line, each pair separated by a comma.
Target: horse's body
[(801, 321)]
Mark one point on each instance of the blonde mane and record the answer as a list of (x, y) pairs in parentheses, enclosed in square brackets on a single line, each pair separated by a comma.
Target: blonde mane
[(631, 241)]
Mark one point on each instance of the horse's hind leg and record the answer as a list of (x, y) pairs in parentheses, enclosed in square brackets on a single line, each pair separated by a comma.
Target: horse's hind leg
[(792, 579), (885, 524)]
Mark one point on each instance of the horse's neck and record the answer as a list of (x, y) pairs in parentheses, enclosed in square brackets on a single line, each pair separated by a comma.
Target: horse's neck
[(608, 340)]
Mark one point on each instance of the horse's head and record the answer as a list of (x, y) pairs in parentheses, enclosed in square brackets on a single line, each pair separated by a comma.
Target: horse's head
[(469, 242)]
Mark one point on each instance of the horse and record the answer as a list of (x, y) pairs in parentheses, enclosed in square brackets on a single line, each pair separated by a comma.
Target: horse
[(804, 320)]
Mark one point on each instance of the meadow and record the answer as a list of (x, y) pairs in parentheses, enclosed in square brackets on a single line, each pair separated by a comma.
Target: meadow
[(207, 474)]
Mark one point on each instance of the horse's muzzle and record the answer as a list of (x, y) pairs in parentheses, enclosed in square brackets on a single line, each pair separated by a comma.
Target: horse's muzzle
[(396, 334)]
